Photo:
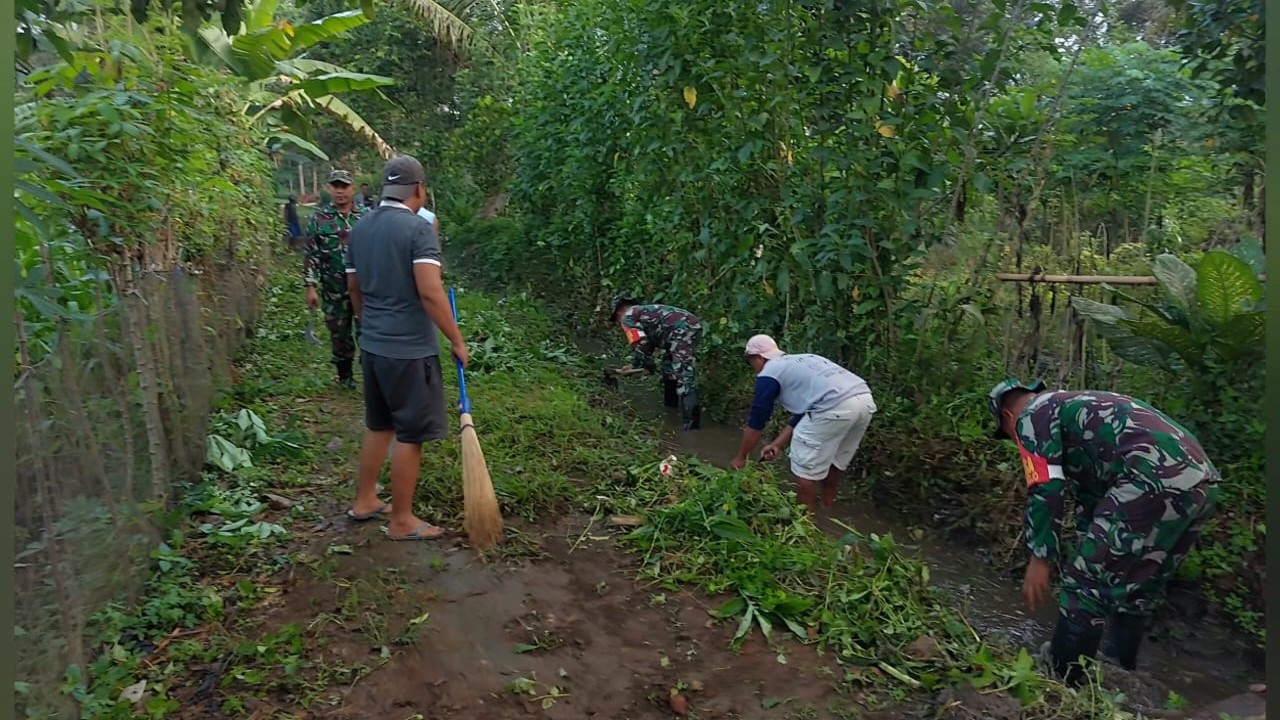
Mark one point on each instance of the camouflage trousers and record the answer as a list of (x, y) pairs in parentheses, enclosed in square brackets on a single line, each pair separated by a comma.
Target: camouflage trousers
[(1130, 546), (678, 363), (344, 332)]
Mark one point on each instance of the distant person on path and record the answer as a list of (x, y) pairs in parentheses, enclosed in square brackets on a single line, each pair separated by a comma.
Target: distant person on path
[(323, 267), (365, 199), (1143, 489), (292, 226), (678, 332), (830, 408), (393, 271)]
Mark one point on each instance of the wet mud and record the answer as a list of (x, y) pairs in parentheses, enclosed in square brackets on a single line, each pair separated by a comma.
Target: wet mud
[(568, 635)]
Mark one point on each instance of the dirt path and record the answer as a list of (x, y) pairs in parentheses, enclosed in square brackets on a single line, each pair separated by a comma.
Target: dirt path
[(568, 634)]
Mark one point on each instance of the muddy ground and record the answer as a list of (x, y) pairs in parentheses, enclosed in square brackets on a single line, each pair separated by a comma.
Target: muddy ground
[(566, 635)]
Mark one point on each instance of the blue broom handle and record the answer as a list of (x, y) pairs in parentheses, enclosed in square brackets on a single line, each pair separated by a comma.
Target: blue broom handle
[(464, 402)]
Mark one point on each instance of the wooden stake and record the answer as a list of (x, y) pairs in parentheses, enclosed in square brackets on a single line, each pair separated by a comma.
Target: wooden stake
[(1085, 279)]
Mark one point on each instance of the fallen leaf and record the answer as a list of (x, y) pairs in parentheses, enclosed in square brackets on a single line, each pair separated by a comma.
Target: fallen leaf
[(133, 693), (279, 502), (923, 648), (690, 97)]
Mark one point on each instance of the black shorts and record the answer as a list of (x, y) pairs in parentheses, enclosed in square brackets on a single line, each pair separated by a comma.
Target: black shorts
[(406, 396)]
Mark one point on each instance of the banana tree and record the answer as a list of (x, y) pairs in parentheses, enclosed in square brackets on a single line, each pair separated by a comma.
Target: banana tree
[(285, 87), (450, 22), (1208, 318)]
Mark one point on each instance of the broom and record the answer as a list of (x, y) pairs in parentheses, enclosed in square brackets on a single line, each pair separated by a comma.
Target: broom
[(482, 519)]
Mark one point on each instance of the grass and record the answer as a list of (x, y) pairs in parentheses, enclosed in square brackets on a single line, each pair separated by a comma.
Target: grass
[(201, 635)]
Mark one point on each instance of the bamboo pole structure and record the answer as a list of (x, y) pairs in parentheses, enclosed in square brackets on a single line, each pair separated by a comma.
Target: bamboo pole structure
[(1085, 279)]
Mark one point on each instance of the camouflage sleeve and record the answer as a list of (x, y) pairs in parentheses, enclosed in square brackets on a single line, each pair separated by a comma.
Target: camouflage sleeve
[(310, 255), (1044, 509), (641, 345), (1040, 445)]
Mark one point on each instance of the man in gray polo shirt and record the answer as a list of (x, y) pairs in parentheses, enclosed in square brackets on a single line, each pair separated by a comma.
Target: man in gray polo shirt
[(394, 278), (830, 410)]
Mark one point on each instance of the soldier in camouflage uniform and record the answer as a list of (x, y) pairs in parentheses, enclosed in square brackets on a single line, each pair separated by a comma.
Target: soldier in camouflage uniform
[(1143, 489), (323, 268), (677, 332)]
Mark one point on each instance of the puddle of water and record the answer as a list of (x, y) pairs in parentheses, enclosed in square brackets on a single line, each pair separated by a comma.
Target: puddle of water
[(1202, 670)]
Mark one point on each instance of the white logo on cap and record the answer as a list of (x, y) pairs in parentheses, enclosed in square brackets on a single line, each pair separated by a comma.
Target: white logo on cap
[(393, 177)]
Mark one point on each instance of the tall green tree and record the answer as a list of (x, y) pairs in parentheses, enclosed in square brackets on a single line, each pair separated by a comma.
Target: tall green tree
[(284, 86)]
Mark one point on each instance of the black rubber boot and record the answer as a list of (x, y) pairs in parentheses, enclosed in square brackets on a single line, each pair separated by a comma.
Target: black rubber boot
[(691, 411), (345, 379), (670, 397), (1070, 642), (1124, 637)]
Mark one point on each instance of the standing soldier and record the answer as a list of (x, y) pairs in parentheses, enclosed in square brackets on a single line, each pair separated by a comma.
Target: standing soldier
[(326, 242), (678, 332), (1143, 489)]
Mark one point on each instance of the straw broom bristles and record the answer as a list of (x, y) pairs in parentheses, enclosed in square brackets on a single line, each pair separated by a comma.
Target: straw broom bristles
[(482, 518)]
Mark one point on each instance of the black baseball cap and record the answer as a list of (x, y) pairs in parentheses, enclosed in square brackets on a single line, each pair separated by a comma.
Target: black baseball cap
[(400, 175)]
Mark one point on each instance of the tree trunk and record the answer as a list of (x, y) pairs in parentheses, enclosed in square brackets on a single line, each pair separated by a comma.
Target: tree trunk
[(1247, 196), (67, 616), (1260, 217), (92, 459), (133, 316), (159, 315)]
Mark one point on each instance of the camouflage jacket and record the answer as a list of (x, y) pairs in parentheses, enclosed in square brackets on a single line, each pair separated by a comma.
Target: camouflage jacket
[(1090, 442), (650, 327), (326, 242)]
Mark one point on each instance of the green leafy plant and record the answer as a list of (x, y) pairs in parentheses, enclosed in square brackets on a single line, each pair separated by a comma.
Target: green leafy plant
[(268, 53), (226, 456), (1207, 317)]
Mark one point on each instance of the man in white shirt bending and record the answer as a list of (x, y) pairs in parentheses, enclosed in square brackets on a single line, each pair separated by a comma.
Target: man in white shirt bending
[(830, 410)]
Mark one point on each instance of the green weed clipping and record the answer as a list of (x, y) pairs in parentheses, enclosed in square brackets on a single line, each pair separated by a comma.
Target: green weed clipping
[(741, 536)]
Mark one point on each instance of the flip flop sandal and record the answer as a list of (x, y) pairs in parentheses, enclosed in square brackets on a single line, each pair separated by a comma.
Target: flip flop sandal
[(368, 516), (418, 533)]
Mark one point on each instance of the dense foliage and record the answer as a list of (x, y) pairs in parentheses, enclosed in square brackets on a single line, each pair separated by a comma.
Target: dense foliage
[(849, 179), (144, 207)]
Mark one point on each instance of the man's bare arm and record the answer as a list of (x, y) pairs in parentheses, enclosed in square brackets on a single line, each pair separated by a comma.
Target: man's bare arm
[(435, 302), (353, 290)]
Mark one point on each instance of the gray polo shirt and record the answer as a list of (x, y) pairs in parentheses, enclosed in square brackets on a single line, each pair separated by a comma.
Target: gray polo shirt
[(382, 250)]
